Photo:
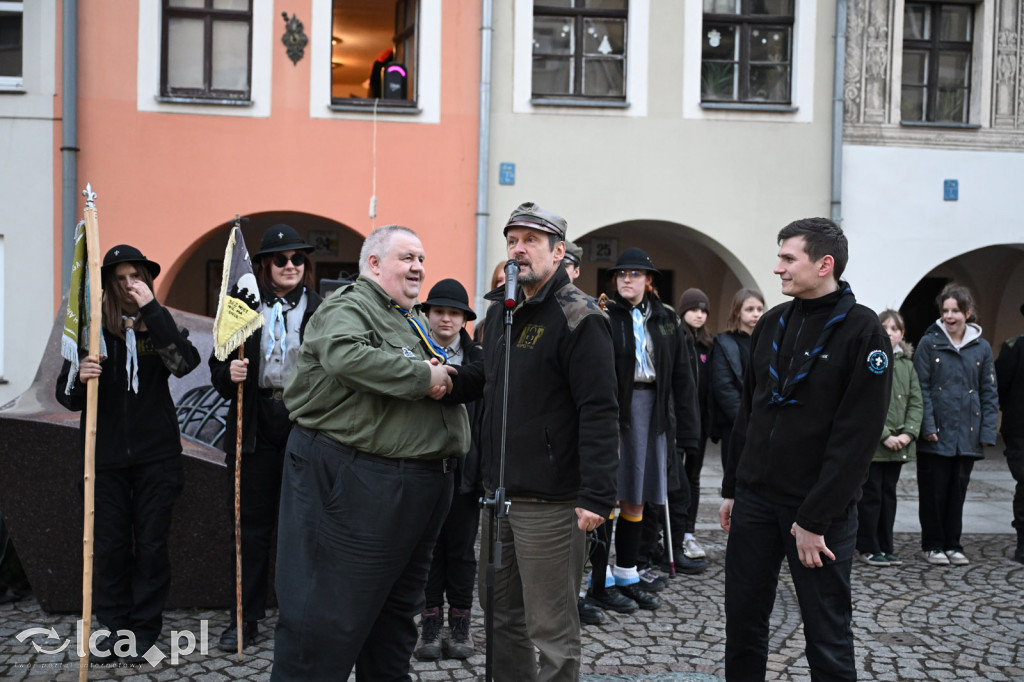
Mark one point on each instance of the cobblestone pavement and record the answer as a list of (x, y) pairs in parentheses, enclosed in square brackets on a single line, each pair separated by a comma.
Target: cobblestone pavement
[(915, 622)]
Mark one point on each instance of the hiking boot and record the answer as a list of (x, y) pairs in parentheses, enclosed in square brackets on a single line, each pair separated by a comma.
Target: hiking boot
[(459, 643), (428, 645)]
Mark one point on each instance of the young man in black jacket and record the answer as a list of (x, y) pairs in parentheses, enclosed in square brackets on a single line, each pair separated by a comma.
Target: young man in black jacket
[(815, 396)]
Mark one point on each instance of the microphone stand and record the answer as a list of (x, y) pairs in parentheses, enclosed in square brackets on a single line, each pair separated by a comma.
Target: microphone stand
[(499, 506)]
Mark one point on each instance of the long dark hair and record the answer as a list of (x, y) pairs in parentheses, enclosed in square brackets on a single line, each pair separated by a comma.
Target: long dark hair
[(700, 335), (266, 282), (114, 299), (963, 297)]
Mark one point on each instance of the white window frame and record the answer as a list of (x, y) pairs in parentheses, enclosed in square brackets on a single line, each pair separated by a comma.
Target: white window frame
[(637, 45), (428, 76), (148, 97), (16, 83), (801, 87)]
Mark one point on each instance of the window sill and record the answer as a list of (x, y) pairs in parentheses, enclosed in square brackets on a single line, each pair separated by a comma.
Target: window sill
[(748, 106), (12, 90), (205, 100), (584, 103), (368, 106), (931, 124)]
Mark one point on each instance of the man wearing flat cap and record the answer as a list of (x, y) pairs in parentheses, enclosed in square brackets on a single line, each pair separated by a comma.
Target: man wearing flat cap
[(560, 456), (367, 473), (573, 259), (453, 567), (1010, 377)]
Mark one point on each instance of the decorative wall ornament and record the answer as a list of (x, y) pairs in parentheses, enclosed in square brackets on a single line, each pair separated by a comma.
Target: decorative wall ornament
[(872, 81), (294, 38)]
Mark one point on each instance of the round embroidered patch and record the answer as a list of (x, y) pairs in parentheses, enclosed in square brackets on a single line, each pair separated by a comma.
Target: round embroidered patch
[(878, 361)]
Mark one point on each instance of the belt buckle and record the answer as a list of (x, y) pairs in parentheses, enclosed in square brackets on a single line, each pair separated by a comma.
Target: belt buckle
[(447, 465)]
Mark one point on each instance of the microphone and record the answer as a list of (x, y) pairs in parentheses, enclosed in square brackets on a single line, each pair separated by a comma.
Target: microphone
[(511, 279)]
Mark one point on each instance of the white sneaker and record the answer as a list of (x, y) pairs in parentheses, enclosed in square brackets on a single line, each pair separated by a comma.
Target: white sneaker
[(935, 557), (692, 550), (957, 558)]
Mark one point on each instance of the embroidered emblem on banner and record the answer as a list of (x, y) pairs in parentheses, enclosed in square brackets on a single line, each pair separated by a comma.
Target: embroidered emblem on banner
[(878, 362), (530, 336), (408, 353)]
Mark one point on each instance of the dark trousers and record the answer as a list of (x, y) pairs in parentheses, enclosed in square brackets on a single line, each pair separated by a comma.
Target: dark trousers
[(942, 485), (453, 568), (355, 536), (758, 541), (131, 564), (876, 511), (1015, 461), (693, 462), (260, 490)]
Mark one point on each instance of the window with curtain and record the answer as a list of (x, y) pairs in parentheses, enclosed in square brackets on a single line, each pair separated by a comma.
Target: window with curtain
[(207, 49), (747, 51), (579, 49)]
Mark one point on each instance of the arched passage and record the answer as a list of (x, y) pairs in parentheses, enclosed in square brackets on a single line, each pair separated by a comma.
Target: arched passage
[(994, 274), (196, 276), (685, 256)]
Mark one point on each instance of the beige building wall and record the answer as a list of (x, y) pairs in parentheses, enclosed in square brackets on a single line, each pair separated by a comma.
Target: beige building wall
[(703, 191), (27, 138)]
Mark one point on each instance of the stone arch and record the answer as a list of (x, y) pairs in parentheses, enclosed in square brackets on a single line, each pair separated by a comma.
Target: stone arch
[(994, 274), (688, 256), (195, 272)]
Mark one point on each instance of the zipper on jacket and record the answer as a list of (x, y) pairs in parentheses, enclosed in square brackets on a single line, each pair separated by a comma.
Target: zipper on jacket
[(547, 442)]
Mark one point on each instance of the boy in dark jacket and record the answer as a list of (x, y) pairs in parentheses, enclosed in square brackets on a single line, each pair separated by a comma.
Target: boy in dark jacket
[(815, 396)]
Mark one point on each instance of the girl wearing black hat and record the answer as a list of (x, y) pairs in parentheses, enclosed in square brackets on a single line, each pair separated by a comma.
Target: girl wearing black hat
[(283, 271), (138, 451)]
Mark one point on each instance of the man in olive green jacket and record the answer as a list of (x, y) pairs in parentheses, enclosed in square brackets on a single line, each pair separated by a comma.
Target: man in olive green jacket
[(367, 474)]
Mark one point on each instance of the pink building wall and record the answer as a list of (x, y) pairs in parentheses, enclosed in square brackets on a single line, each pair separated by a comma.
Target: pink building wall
[(165, 180)]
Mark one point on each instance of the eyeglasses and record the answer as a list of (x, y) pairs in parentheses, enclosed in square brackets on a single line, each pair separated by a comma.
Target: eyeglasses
[(631, 274), (298, 259)]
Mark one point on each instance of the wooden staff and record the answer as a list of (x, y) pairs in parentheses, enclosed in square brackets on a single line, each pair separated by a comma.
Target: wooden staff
[(238, 512), (92, 245)]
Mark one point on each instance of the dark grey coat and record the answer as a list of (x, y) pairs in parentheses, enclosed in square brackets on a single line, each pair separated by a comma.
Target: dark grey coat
[(961, 403)]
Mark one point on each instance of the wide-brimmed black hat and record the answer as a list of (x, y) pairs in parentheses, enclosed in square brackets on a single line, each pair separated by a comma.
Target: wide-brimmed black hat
[(635, 259), (533, 216), (449, 294), (123, 253), (282, 237)]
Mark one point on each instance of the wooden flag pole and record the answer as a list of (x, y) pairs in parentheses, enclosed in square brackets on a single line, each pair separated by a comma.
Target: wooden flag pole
[(238, 513), (92, 241)]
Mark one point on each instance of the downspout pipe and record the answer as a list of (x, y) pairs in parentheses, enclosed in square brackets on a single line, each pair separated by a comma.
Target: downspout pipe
[(69, 139), (483, 157), (838, 85)]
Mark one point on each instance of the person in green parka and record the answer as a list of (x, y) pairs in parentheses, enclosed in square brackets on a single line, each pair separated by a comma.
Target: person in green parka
[(876, 510)]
